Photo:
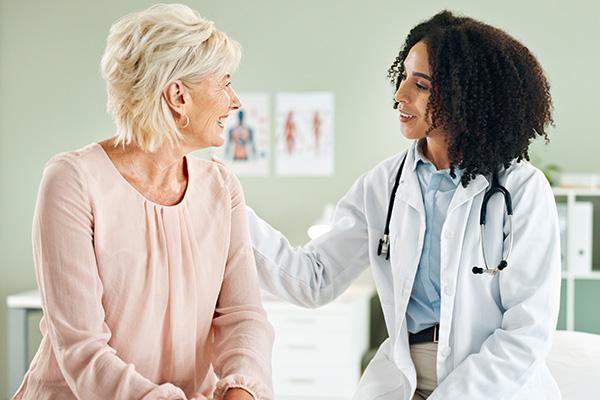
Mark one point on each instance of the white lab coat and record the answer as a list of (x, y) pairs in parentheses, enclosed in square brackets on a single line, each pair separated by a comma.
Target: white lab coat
[(495, 331)]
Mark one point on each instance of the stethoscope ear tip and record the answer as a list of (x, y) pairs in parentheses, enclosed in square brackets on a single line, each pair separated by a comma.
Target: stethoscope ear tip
[(477, 270)]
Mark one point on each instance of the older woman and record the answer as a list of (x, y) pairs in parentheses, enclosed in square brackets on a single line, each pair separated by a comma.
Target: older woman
[(142, 252)]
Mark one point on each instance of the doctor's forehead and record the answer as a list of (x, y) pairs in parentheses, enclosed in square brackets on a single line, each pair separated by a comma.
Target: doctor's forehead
[(417, 59)]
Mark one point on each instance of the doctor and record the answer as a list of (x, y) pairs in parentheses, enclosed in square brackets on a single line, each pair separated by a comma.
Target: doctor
[(472, 98)]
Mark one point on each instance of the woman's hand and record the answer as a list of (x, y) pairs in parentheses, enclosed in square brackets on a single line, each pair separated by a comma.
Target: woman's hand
[(237, 394), (231, 394)]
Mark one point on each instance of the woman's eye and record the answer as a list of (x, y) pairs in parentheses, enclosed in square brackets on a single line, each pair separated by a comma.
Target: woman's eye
[(422, 87)]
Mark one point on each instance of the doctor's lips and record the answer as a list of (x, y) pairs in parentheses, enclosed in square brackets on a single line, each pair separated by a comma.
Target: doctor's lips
[(405, 116)]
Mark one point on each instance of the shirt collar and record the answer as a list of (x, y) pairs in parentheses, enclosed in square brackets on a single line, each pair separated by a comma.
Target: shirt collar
[(419, 157)]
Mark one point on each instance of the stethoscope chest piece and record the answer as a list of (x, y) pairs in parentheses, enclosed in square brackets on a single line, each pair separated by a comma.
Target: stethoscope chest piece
[(384, 243), (492, 271), (384, 247)]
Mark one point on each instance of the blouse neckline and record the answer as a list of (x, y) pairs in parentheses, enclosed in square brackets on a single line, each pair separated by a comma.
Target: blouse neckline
[(137, 192)]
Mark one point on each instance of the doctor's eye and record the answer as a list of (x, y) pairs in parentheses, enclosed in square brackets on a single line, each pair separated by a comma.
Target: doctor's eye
[(421, 87)]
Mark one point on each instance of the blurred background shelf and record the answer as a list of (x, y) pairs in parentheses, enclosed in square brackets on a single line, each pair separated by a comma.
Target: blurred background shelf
[(595, 275), (580, 290)]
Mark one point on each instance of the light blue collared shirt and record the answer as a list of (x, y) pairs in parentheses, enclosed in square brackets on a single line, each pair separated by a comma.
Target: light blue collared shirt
[(437, 190)]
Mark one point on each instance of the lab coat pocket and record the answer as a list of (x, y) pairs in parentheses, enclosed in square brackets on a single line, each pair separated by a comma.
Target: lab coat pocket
[(382, 380)]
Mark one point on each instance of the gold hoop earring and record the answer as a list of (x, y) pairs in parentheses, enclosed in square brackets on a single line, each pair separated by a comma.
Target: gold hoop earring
[(187, 122)]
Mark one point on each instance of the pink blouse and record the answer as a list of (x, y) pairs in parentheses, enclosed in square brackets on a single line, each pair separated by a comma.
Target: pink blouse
[(140, 300)]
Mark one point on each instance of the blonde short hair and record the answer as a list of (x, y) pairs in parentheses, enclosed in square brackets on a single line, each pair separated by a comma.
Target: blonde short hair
[(147, 50)]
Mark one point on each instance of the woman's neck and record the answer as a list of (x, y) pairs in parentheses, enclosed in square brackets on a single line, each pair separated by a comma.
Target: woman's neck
[(160, 168), (435, 149)]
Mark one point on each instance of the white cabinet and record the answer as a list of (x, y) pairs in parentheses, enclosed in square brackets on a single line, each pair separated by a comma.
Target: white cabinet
[(317, 352)]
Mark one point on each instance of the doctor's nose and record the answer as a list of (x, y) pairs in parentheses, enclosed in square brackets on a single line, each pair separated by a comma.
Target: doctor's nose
[(400, 96)]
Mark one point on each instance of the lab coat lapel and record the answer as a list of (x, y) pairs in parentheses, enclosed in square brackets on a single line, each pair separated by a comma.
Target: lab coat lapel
[(409, 190), (407, 231)]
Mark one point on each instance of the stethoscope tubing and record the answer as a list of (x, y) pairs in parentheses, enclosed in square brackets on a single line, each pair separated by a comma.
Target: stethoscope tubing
[(384, 244)]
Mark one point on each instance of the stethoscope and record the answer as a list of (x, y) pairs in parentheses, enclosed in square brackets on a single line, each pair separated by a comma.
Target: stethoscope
[(384, 242)]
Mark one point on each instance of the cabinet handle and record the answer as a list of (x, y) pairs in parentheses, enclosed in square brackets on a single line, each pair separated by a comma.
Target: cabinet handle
[(303, 381), (302, 347), (306, 321)]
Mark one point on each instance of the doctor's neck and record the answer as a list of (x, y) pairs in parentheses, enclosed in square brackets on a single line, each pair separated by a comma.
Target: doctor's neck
[(435, 148)]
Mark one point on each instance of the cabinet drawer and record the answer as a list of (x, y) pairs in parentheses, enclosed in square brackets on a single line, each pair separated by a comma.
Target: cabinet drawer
[(315, 379), (303, 336), (331, 323), (306, 350)]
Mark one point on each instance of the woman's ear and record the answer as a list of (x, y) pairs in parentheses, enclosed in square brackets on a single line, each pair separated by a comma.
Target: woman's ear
[(174, 94)]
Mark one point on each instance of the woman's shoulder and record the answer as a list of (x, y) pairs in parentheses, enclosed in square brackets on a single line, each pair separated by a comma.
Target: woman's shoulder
[(77, 159), (67, 174), (76, 163), (213, 172)]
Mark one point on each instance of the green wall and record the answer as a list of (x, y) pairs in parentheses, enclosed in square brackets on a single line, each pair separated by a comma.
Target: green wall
[(52, 98)]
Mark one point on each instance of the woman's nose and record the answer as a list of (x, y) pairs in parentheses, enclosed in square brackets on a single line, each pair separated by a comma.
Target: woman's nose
[(400, 95), (235, 102)]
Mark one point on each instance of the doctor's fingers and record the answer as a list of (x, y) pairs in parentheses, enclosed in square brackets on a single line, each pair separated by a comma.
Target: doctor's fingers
[(215, 159)]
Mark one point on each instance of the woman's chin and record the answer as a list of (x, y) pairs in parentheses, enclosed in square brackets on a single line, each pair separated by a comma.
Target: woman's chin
[(408, 135), (219, 141), (411, 134)]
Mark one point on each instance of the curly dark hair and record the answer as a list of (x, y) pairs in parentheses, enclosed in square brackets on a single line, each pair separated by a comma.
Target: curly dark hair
[(489, 93)]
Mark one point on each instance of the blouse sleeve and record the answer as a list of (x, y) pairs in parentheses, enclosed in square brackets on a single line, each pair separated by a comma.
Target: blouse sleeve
[(71, 291), (243, 338)]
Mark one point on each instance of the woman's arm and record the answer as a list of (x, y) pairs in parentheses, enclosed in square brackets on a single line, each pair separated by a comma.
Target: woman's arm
[(318, 272), (243, 338), (530, 293), (71, 292)]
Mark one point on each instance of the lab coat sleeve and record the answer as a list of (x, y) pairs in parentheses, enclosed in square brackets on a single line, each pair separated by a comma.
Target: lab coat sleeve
[(71, 293), (530, 296), (318, 272)]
